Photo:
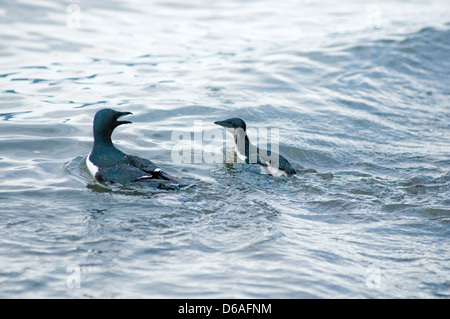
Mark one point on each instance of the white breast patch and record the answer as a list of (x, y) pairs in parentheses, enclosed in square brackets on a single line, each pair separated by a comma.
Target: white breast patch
[(92, 168), (242, 157)]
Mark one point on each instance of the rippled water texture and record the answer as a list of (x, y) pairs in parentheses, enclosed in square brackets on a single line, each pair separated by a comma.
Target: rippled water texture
[(360, 94)]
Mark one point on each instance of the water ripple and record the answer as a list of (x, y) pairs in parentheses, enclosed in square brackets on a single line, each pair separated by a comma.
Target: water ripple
[(363, 116)]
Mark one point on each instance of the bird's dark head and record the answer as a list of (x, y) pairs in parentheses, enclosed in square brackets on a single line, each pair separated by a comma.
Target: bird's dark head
[(106, 120), (232, 123)]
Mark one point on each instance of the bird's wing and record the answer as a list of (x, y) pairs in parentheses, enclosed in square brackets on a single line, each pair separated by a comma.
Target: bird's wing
[(283, 164), (129, 175), (143, 164), (149, 167), (123, 174)]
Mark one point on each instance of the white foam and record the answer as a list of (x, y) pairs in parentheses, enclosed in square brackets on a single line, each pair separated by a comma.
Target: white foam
[(274, 171)]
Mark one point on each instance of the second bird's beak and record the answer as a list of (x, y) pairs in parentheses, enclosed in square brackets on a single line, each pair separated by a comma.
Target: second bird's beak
[(222, 123)]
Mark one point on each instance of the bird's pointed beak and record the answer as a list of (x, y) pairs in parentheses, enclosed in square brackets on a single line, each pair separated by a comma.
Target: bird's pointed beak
[(121, 114), (222, 123)]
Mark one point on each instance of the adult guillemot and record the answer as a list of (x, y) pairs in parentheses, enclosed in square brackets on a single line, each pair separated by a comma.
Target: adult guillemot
[(108, 164), (275, 164)]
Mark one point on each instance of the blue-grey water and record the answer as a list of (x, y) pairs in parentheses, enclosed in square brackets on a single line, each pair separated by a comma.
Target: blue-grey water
[(361, 96)]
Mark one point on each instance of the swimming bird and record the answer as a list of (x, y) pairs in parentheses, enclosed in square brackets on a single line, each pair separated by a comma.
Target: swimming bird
[(273, 163), (106, 163)]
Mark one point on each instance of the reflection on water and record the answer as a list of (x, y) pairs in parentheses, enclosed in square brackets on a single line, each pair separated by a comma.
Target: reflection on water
[(360, 96)]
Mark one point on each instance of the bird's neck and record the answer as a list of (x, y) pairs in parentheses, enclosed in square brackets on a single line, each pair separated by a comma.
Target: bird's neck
[(242, 142), (104, 145), (103, 141)]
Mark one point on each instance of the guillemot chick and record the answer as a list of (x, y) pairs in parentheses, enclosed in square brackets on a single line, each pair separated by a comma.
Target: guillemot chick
[(108, 164), (273, 163)]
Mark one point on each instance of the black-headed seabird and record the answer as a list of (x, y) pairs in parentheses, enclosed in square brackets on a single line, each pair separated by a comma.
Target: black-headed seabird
[(274, 164), (108, 164)]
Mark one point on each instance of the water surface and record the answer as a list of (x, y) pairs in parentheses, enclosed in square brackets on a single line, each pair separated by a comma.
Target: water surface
[(360, 94)]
